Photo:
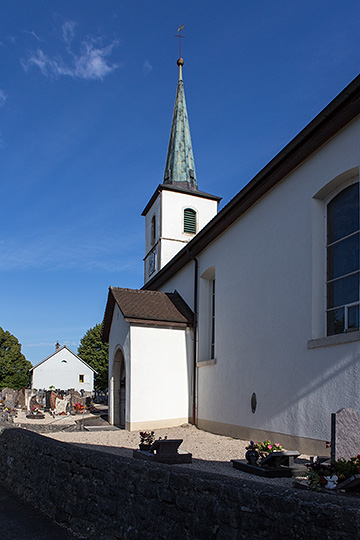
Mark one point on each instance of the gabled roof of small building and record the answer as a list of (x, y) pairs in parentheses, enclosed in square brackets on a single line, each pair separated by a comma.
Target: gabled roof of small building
[(59, 350), (340, 112), (152, 308)]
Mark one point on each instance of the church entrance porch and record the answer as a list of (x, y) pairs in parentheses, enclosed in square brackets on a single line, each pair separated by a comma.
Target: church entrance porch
[(118, 391)]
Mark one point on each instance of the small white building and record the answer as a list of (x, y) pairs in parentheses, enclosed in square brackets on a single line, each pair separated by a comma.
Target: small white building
[(63, 369)]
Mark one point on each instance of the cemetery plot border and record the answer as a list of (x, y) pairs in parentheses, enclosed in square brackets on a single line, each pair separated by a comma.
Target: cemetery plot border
[(164, 451)]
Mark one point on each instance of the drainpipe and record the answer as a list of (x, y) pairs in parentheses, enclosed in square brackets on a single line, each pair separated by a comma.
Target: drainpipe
[(195, 353)]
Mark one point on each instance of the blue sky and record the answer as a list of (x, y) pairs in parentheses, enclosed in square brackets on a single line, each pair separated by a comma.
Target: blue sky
[(87, 90)]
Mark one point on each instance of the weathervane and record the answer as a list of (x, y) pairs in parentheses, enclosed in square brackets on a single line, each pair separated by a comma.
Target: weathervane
[(180, 36)]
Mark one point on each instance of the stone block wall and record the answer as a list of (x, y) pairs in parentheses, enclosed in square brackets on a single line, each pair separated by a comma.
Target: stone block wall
[(108, 497)]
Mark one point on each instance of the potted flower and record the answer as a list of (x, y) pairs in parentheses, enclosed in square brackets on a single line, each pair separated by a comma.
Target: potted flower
[(146, 440), (267, 447), (260, 450)]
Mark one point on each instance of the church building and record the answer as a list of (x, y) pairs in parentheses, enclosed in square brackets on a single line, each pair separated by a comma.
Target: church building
[(248, 322)]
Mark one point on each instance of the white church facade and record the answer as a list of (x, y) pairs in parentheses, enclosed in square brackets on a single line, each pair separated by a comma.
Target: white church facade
[(263, 340)]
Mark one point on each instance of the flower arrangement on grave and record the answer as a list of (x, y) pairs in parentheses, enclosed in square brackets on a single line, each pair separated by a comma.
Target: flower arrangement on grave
[(146, 439), (266, 447), (324, 475), (10, 411), (256, 450), (79, 407), (34, 410)]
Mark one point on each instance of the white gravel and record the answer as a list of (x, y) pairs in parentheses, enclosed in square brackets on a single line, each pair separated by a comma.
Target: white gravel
[(211, 453)]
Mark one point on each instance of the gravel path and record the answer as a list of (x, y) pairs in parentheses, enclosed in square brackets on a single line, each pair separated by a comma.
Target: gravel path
[(211, 453)]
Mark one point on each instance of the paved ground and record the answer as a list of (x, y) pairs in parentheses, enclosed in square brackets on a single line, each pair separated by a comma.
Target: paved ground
[(20, 521)]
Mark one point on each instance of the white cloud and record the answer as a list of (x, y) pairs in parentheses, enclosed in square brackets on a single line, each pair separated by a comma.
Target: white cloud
[(91, 62), (147, 67), (66, 251), (3, 98), (39, 59), (32, 33), (68, 32)]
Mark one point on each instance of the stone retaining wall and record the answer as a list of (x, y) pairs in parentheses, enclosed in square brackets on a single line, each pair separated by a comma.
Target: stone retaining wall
[(107, 497)]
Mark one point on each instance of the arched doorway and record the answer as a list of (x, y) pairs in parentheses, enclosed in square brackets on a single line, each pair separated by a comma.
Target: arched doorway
[(119, 390)]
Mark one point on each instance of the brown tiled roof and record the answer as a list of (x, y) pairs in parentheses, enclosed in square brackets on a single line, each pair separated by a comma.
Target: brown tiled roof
[(147, 307)]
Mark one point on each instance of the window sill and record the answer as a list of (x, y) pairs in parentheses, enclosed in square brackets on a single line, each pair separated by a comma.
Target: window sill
[(204, 363), (337, 339)]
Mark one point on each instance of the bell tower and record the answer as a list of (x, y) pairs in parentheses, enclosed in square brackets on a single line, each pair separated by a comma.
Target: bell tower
[(177, 211)]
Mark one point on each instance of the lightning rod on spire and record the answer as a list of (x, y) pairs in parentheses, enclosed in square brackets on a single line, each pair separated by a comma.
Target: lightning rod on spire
[(180, 37)]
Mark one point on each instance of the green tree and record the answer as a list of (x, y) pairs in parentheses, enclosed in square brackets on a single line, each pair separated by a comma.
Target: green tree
[(14, 368), (95, 353)]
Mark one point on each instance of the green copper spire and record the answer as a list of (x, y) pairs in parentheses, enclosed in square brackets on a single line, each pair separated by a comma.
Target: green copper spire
[(180, 165)]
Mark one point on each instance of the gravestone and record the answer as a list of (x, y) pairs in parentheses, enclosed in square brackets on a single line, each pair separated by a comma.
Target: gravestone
[(21, 398), (29, 393), (61, 406), (347, 433), (47, 400), (75, 397), (3, 392), (41, 397), (9, 397), (53, 397), (34, 404)]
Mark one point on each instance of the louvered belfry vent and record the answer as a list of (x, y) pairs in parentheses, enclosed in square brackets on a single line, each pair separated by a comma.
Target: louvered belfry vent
[(189, 221)]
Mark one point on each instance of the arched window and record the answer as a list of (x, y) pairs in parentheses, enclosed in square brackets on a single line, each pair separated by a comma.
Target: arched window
[(153, 230), (189, 221), (207, 316), (343, 261)]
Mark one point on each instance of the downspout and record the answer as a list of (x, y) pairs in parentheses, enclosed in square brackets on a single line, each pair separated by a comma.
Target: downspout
[(195, 352)]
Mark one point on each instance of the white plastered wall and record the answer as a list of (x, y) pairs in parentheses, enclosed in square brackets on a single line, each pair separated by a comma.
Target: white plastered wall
[(119, 340), (158, 364), (267, 276), (168, 209), (173, 205), (62, 370), (161, 360)]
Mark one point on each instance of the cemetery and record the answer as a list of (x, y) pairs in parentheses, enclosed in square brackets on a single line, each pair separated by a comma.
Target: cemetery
[(45, 410)]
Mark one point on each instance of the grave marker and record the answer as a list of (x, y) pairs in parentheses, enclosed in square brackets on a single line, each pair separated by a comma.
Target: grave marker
[(346, 434)]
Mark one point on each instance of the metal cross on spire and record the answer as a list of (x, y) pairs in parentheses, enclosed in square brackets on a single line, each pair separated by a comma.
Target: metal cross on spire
[(180, 37)]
